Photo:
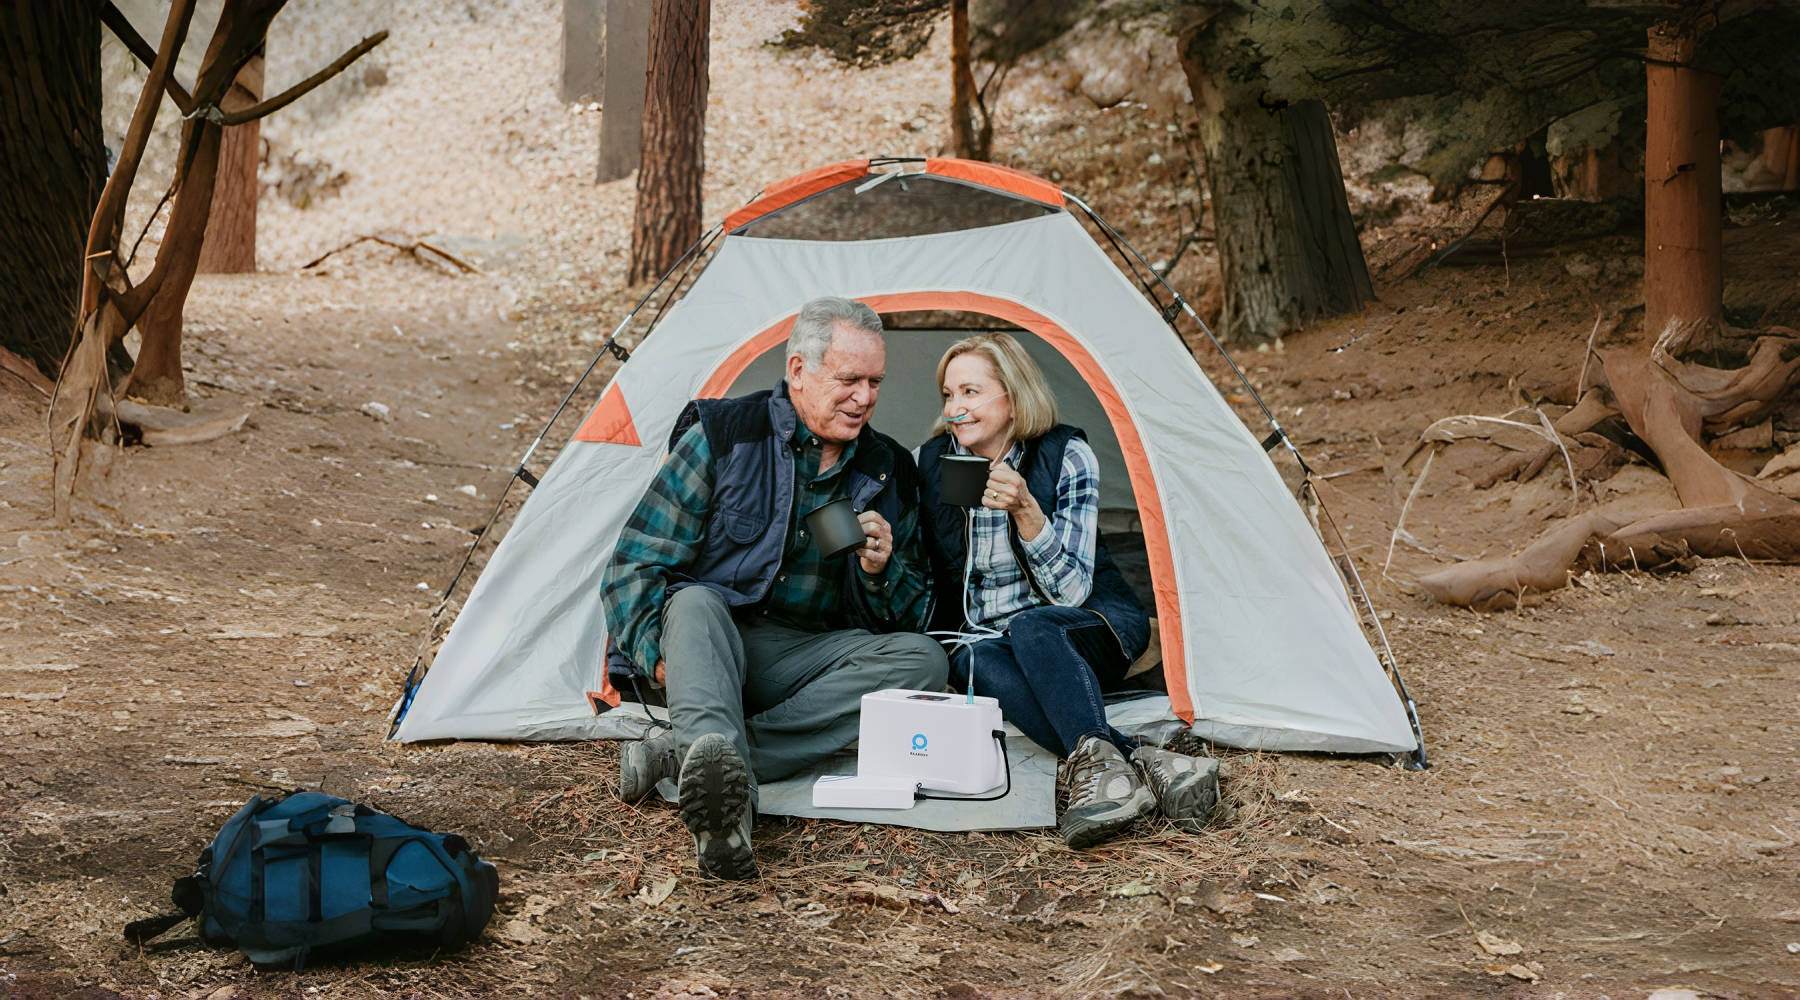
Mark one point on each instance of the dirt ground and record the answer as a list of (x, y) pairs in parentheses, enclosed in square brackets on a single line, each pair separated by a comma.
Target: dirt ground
[(1612, 807)]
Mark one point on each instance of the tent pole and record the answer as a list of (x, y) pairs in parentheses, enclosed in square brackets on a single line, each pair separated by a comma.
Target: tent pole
[(1359, 595), (610, 346)]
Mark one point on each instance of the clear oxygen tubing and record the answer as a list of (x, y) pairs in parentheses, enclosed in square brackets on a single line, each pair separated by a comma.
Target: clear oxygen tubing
[(964, 415), (975, 633)]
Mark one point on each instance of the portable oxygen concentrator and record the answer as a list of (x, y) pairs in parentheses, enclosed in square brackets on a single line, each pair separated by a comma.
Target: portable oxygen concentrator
[(912, 740)]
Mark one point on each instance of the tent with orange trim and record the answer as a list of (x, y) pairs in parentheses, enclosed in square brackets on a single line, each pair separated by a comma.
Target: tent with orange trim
[(1266, 641)]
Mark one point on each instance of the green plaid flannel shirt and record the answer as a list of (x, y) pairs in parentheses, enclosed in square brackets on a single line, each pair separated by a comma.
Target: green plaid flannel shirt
[(664, 534)]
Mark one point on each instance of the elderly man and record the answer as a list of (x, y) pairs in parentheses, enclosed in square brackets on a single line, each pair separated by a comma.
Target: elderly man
[(763, 645)]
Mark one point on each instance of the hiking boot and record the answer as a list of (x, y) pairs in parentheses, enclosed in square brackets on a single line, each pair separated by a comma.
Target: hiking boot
[(715, 805), (1105, 794), (1186, 788), (643, 764)]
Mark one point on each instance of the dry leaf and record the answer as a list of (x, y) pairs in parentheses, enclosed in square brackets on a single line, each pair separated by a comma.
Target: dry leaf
[(933, 899), (1210, 967), (1141, 887), (657, 893), (1493, 944)]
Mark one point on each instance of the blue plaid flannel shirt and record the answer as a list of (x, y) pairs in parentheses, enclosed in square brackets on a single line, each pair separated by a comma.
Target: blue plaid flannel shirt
[(1061, 556)]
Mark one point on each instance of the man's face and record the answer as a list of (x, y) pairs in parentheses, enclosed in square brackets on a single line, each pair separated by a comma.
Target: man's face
[(836, 399)]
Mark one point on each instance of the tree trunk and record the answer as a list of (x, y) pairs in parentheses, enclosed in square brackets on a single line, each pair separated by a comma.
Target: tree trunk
[(962, 86), (1781, 156), (674, 161), (157, 378), (1683, 284), (1288, 250), (582, 55), (1595, 175), (230, 246), (52, 167), (624, 47)]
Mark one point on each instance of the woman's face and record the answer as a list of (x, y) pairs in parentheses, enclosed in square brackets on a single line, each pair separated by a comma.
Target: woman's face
[(976, 405)]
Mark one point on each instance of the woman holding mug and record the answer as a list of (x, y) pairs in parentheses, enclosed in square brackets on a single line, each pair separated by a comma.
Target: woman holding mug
[(1047, 624)]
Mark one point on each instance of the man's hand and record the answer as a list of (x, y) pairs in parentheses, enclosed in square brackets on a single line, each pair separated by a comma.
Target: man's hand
[(879, 547), (661, 680)]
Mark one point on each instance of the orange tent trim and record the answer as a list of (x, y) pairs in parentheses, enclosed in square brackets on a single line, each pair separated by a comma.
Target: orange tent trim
[(801, 186), (610, 422)]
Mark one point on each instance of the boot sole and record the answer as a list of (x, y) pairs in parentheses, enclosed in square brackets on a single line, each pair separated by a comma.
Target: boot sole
[(635, 759), (1190, 807), (715, 797), (1085, 829)]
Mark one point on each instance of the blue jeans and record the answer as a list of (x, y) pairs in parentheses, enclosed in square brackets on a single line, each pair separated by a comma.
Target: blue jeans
[(1048, 673)]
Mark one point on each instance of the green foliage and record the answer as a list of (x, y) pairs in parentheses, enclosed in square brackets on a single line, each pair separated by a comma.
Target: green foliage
[(873, 32), (1005, 31), (866, 32)]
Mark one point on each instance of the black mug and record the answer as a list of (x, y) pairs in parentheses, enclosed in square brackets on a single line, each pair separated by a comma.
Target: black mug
[(835, 529), (962, 479)]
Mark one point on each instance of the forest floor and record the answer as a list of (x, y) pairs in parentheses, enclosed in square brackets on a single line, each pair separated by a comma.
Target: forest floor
[(1612, 810)]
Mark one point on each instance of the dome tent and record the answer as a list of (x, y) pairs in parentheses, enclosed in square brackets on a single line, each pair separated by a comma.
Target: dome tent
[(1260, 639)]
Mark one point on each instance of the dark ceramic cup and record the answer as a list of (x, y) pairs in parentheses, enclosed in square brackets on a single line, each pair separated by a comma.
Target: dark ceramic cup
[(962, 479), (835, 529)]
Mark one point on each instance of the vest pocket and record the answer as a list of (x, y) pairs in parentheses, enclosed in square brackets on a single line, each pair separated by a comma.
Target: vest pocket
[(737, 526)]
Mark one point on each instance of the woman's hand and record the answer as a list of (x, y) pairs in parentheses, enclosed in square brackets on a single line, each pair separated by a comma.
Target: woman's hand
[(1006, 491)]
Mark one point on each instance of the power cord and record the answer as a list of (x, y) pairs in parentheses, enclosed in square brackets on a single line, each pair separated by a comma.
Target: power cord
[(1000, 738)]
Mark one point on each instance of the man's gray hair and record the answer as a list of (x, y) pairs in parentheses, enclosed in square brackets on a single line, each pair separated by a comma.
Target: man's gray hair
[(811, 335)]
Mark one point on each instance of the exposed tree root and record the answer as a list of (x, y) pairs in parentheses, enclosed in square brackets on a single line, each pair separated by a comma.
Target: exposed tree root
[(1669, 404), (21, 370), (158, 425)]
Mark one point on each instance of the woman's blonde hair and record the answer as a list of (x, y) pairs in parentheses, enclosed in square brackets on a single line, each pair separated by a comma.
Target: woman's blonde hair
[(1034, 406)]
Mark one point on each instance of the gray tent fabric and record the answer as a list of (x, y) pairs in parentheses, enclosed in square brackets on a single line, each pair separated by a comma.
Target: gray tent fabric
[(1258, 637)]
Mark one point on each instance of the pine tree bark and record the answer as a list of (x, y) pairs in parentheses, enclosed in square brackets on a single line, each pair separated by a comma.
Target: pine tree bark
[(673, 163), (230, 246), (1683, 284), (962, 86), (52, 167), (1288, 249), (1781, 156)]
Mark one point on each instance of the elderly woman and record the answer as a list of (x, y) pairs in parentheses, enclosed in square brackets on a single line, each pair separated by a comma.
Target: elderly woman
[(1047, 623)]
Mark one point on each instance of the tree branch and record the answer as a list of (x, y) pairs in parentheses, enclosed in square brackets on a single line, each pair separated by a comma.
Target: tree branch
[(103, 231), (300, 89), (126, 32)]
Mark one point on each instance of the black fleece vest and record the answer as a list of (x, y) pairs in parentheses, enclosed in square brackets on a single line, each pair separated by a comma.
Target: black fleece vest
[(1112, 597), (753, 496)]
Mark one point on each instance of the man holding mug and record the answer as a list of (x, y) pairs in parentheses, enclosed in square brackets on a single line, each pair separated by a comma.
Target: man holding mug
[(718, 590)]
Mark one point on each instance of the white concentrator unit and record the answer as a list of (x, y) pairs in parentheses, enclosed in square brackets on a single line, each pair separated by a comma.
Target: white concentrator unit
[(912, 740)]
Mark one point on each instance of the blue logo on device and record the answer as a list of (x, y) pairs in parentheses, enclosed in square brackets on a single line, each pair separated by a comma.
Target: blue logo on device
[(918, 741)]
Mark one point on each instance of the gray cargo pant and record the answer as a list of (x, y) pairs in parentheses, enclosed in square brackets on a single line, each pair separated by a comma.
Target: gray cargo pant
[(788, 698)]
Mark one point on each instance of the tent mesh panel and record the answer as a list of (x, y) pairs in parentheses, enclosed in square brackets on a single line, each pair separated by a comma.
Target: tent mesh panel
[(902, 205)]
